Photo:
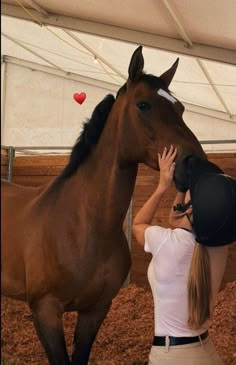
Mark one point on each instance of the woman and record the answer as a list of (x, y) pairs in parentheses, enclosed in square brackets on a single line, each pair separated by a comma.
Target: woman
[(184, 276)]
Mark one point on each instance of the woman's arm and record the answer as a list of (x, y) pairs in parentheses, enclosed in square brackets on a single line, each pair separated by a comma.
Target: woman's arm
[(144, 217)]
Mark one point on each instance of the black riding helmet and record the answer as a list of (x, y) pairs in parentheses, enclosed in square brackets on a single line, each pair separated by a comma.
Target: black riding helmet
[(213, 197)]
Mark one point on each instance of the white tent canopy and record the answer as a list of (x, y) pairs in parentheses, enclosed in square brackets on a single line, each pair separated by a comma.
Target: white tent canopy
[(88, 44)]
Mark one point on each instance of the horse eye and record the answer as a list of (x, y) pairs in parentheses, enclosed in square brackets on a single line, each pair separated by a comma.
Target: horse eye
[(144, 106)]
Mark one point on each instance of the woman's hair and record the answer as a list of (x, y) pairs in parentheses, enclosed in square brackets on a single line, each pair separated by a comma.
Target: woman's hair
[(199, 287)]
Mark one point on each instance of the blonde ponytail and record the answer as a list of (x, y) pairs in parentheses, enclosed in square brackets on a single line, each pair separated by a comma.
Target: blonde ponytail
[(199, 288)]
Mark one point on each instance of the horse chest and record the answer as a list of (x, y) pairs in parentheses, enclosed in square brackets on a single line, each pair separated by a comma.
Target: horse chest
[(87, 293), (101, 276)]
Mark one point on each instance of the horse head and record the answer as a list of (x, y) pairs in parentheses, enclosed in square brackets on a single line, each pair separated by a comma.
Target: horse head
[(151, 118)]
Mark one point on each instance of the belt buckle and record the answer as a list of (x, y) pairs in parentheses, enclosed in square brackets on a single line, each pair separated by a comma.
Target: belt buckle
[(167, 343)]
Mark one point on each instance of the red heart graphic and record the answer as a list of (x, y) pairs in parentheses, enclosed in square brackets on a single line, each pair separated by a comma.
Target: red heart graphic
[(80, 98)]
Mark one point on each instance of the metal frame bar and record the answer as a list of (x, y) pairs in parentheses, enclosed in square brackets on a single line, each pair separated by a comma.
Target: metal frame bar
[(128, 233), (3, 95), (98, 56), (178, 24), (22, 148), (220, 141), (131, 36), (128, 223), (215, 89), (38, 8), (10, 155), (31, 51), (60, 73)]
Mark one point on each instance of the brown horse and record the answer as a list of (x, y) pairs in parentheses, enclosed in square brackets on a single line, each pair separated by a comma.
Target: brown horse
[(63, 246)]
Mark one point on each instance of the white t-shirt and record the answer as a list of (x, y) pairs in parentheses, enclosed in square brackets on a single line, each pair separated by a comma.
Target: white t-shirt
[(172, 251)]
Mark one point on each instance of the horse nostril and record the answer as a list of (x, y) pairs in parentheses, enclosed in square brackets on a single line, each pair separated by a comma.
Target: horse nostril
[(188, 162), (183, 172)]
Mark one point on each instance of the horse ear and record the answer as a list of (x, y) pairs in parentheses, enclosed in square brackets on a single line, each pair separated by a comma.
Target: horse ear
[(169, 74), (136, 64)]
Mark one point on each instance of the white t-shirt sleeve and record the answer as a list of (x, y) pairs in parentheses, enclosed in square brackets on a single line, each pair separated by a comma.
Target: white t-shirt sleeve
[(155, 236)]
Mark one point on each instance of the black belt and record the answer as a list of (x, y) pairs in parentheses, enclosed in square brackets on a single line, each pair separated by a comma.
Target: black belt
[(174, 341)]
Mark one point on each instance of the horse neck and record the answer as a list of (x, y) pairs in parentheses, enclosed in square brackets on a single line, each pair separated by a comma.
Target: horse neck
[(103, 181)]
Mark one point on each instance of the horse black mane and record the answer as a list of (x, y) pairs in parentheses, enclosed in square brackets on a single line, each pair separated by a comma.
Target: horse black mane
[(89, 136), (93, 127)]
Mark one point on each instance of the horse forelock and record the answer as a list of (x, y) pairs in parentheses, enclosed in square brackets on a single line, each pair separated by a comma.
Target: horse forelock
[(152, 80), (89, 136)]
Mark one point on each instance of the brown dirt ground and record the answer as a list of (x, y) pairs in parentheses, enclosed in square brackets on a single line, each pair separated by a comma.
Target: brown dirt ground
[(125, 336)]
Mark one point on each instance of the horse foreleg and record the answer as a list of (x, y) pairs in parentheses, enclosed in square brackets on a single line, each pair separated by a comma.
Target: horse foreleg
[(87, 326), (47, 317)]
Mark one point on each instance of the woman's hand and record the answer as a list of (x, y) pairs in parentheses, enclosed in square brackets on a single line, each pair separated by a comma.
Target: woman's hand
[(167, 167)]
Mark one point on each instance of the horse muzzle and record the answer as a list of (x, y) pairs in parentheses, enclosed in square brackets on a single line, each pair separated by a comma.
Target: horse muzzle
[(183, 172)]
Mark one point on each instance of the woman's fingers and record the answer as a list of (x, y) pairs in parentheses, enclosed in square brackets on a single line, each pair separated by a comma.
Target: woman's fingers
[(172, 169), (165, 160), (163, 156), (170, 151), (170, 155)]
